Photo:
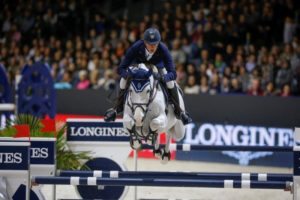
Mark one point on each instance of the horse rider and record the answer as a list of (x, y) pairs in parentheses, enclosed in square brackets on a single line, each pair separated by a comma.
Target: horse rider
[(150, 50)]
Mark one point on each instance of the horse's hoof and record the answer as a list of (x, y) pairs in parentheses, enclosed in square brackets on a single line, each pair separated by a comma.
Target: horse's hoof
[(157, 153), (135, 144), (165, 157)]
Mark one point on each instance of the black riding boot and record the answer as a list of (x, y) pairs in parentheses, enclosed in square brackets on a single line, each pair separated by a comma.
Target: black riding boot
[(111, 114), (179, 113)]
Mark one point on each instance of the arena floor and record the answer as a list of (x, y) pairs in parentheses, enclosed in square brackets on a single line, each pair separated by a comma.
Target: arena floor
[(68, 192)]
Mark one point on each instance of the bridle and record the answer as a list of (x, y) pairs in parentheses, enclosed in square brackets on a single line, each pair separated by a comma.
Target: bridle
[(145, 108)]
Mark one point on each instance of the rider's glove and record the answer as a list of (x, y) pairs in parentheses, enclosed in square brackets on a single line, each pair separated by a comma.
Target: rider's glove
[(159, 77), (124, 74)]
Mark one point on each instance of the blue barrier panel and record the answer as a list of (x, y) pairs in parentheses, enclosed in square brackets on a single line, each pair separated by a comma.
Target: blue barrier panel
[(14, 156), (42, 151), (14, 166)]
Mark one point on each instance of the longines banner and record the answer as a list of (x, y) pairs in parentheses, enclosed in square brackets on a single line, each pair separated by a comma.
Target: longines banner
[(229, 134)]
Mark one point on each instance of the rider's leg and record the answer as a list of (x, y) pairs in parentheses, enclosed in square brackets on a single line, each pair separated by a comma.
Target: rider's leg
[(179, 112), (111, 113)]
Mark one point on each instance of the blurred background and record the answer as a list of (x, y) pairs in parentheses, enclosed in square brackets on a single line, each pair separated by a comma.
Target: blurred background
[(219, 46)]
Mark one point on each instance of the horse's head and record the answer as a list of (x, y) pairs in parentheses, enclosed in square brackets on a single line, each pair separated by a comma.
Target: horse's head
[(140, 92)]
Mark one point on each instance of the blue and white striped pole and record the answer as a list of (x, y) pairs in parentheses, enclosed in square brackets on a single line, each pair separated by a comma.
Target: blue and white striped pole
[(160, 182), (180, 175), (197, 147)]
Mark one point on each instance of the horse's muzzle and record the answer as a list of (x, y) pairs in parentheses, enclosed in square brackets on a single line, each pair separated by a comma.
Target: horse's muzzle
[(138, 116)]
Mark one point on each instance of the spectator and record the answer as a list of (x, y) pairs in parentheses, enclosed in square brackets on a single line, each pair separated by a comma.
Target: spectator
[(203, 85), (254, 40), (250, 64), (181, 75), (108, 81), (235, 86), (270, 89), (214, 87), (289, 30), (219, 63), (191, 86), (284, 74), (286, 90), (225, 85), (84, 82), (177, 53), (65, 83), (255, 89)]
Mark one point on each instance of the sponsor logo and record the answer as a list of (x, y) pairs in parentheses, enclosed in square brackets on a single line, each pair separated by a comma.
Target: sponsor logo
[(10, 158), (98, 131), (39, 152), (217, 134)]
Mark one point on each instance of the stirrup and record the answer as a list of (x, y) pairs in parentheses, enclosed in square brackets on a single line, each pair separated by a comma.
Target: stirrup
[(110, 115), (185, 118)]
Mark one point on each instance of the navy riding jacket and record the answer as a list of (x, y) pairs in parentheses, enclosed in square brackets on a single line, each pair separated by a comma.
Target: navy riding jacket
[(161, 59)]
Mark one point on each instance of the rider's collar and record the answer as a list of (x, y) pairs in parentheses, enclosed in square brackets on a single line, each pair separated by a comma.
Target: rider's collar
[(148, 54)]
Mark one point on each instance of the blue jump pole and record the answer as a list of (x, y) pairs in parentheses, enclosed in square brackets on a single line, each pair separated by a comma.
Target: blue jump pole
[(180, 175), (191, 147), (161, 182)]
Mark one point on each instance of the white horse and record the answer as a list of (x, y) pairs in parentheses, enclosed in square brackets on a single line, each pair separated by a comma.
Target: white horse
[(147, 112)]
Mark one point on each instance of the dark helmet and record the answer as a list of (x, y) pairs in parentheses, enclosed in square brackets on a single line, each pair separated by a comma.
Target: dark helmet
[(152, 36)]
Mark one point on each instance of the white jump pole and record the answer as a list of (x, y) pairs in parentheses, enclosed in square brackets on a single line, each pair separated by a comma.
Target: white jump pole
[(7, 107)]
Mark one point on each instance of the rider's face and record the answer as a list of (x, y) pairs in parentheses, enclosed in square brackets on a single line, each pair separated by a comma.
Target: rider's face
[(151, 47)]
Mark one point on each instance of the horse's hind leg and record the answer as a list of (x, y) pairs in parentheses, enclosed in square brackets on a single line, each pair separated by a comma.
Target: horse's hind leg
[(178, 131)]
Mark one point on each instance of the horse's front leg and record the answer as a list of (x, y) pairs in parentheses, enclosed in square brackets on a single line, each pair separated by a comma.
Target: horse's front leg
[(158, 125), (128, 124), (166, 155)]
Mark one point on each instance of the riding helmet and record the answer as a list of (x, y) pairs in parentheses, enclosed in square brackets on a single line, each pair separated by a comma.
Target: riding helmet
[(152, 36)]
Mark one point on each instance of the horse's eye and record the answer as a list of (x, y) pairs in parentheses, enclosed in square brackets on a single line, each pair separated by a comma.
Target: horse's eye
[(148, 91)]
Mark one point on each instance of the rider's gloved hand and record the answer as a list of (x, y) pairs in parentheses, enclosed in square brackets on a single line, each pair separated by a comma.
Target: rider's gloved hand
[(159, 77), (124, 74)]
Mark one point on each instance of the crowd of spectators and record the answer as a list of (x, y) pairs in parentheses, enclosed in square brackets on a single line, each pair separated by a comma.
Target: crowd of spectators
[(218, 46)]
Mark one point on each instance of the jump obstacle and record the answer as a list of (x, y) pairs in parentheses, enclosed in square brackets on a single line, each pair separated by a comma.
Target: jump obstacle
[(161, 182), (176, 175), (165, 179)]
